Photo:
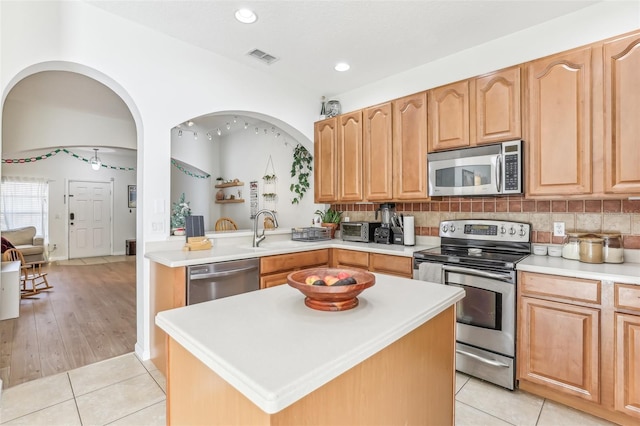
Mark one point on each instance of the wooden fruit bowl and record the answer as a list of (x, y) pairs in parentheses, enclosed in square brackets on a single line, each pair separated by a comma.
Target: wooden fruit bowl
[(331, 297)]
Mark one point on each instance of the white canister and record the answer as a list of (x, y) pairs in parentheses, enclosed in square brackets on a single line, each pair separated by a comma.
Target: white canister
[(409, 231)]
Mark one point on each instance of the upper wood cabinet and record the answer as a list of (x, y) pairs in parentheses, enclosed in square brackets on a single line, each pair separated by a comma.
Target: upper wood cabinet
[(449, 116), (485, 109), (325, 175), (496, 107), (349, 157), (560, 137), (378, 153), (410, 147), (622, 115)]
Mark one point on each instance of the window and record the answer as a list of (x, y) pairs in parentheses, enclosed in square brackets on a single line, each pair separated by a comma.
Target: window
[(24, 202)]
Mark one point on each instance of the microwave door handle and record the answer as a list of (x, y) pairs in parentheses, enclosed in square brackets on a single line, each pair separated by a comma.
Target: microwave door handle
[(499, 174)]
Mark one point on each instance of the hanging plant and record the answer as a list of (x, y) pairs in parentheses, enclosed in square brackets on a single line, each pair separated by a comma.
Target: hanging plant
[(301, 167)]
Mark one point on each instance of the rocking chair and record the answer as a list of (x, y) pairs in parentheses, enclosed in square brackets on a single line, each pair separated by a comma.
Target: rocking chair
[(32, 277)]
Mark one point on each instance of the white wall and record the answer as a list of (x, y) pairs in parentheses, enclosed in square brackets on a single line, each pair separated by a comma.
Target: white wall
[(61, 168)]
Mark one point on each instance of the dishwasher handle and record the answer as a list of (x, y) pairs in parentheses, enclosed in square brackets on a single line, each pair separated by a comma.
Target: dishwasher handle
[(221, 274)]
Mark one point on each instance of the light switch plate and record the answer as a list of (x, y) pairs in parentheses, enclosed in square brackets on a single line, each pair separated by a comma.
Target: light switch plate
[(558, 229)]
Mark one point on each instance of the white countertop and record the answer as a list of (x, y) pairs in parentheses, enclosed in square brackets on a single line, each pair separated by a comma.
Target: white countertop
[(221, 253), (619, 272), (275, 350)]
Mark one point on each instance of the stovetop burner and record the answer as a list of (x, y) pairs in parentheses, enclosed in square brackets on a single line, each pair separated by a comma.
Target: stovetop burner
[(481, 244)]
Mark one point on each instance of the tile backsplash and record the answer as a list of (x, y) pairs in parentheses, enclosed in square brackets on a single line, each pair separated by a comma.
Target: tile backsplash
[(595, 216)]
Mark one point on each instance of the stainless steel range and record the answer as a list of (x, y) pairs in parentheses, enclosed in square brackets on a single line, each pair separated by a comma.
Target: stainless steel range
[(481, 256)]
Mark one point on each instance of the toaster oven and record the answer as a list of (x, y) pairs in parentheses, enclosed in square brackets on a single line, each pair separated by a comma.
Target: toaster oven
[(358, 231)]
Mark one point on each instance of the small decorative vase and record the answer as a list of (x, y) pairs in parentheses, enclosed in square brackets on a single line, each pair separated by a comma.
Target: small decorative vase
[(332, 226), (220, 195)]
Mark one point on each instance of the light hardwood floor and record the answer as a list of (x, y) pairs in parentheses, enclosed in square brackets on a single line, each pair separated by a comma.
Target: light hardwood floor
[(89, 316)]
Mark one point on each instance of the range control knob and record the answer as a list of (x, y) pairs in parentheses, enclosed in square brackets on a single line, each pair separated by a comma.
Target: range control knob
[(445, 228), (512, 231), (453, 228), (522, 233), (503, 230)]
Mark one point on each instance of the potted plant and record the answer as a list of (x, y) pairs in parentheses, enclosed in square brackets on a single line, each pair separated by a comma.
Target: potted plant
[(179, 212), (330, 218)]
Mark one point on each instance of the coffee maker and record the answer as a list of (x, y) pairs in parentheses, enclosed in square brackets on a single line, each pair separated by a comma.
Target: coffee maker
[(384, 234)]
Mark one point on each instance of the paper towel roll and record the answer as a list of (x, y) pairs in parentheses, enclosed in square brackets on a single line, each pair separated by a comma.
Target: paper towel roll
[(409, 231)]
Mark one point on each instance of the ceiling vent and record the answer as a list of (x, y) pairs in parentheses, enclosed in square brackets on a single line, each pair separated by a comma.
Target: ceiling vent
[(262, 56)]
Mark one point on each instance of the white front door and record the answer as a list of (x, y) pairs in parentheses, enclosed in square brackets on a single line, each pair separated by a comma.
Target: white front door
[(89, 219)]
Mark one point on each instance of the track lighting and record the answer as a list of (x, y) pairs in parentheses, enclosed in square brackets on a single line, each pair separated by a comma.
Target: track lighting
[(95, 161), (219, 132), (179, 133)]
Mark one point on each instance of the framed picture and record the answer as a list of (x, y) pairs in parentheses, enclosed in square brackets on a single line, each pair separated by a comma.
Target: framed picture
[(132, 196)]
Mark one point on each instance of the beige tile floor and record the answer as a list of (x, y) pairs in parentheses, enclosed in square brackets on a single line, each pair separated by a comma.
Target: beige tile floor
[(126, 391)]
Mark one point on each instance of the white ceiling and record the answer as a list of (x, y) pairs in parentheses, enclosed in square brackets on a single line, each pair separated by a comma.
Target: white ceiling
[(378, 38)]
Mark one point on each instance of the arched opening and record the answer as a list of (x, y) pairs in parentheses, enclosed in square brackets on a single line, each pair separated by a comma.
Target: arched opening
[(55, 116)]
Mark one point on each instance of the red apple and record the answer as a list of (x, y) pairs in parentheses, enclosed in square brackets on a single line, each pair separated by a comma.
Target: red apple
[(342, 275)]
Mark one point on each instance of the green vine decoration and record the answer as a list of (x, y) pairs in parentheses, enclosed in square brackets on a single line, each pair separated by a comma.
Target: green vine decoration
[(301, 167)]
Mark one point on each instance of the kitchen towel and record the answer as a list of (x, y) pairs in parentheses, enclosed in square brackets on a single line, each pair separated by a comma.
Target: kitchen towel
[(409, 231), (431, 272)]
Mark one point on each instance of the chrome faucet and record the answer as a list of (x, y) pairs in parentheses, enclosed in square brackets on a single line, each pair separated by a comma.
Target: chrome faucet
[(257, 238)]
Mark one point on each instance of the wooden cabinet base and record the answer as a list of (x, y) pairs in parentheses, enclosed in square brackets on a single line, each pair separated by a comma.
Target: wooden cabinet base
[(410, 382), (577, 403)]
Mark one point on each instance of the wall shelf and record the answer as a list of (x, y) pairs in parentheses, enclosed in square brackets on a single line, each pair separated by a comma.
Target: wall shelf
[(229, 185), (235, 200)]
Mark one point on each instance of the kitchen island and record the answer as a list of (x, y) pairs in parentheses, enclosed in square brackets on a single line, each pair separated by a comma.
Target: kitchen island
[(265, 358)]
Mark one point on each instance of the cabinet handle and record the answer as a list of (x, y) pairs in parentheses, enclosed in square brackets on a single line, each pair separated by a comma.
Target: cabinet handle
[(481, 359)]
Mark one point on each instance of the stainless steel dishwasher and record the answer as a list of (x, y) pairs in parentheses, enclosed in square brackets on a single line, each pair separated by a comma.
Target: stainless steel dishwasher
[(221, 279)]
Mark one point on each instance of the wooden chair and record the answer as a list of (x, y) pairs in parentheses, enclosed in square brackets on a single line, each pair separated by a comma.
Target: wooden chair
[(268, 223), (226, 224), (30, 273)]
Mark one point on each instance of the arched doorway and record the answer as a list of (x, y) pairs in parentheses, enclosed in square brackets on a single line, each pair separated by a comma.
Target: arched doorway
[(59, 112)]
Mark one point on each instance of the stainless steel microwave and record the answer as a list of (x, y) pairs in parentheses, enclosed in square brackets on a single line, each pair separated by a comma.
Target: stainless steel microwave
[(358, 231), (494, 169)]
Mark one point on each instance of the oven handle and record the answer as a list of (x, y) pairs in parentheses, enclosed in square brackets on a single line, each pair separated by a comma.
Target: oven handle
[(476, 272), (481, 359)]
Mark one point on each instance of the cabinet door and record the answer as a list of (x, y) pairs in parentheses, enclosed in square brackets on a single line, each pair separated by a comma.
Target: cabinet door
[(392, 265), (350, 157), (449, 116), (378, 153), (560, 139), (497, 106), (325, 176), (350, 258), (559, 347), (627, 364), (410, 147), (622, 113), (272, 280)]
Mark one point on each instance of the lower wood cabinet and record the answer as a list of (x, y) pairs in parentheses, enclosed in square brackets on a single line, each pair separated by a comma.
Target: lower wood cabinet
[(400, 266), (274, 269), (627, 349), (560, 347), (578, 343)]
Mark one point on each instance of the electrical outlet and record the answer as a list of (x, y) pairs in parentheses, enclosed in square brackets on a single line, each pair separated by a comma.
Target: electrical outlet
[(558, 229)]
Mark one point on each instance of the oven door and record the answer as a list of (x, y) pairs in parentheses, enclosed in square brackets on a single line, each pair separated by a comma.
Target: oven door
[(486, 315), (477, 175)]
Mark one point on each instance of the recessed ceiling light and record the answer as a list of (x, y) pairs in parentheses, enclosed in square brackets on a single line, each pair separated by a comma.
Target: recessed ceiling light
[(342, 66), (246, 16)]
